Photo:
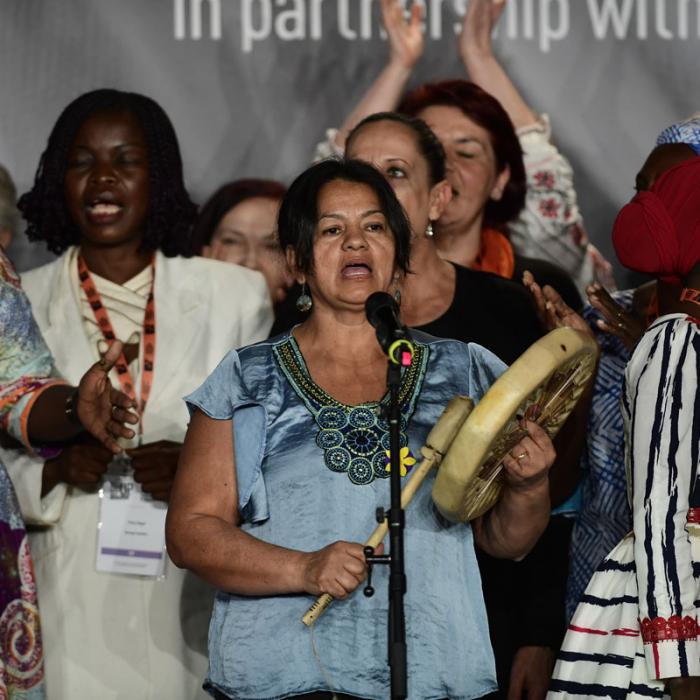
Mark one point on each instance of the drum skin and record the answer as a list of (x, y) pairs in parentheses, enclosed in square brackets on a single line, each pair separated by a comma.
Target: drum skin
[(543, 384)]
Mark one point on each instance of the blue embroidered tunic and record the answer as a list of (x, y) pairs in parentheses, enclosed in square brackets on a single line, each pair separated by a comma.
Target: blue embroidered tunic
[(310, 472)]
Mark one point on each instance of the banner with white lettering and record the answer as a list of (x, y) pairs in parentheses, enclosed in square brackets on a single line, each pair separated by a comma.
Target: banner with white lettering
[(252, 85)]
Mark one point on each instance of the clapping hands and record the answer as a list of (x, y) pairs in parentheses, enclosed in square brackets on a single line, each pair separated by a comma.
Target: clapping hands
[(553, 311), (616, 320), (405, 37), (477, 27)]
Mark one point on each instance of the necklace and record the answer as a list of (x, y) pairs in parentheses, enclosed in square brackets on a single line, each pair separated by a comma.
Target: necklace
[(354, 439)]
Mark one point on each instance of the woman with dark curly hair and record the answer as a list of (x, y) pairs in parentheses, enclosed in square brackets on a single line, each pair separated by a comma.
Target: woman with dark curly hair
[(109, 197)]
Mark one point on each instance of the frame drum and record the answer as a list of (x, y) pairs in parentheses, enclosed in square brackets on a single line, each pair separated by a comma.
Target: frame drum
[(542, 385)]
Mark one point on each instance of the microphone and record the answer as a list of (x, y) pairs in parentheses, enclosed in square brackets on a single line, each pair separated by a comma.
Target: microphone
[(395, 340)]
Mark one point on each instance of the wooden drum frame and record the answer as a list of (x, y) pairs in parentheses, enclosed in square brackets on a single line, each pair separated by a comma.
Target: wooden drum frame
[(468, 445)]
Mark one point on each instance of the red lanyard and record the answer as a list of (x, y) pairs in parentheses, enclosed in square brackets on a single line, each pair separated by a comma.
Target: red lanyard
[(105, 325)]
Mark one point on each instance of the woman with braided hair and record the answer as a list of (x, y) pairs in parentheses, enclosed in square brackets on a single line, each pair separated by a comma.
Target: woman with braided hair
[(109, 197)]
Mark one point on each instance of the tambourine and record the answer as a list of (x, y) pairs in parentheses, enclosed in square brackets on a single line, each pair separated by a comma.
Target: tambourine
[(542, 385), (468, 444)]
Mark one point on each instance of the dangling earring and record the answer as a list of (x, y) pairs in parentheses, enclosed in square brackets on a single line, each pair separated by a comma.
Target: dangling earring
[(429, 231), (304, 301), (397, 290)]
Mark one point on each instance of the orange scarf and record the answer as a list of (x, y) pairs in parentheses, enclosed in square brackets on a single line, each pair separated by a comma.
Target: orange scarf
[(496, 254)]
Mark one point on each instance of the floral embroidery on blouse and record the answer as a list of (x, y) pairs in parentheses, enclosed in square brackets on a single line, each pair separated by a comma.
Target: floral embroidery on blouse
[(406, 460), (354, 439)]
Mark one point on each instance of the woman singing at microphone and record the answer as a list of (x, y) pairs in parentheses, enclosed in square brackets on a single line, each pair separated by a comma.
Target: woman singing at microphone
[(284, 465)]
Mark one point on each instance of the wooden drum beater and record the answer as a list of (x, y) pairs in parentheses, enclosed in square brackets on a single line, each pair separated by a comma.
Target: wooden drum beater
[(468, 444)]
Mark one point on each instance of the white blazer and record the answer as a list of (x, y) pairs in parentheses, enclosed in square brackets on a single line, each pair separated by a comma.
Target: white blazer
[(109, 636)]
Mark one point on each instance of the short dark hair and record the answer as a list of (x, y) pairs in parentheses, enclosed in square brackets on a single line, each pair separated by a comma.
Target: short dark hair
[(299, 211), (226, 198), (171, 212), (428, 144), (486, 111)]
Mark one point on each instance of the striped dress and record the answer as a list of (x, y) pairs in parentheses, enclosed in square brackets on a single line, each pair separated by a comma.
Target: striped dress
[(637, 622)]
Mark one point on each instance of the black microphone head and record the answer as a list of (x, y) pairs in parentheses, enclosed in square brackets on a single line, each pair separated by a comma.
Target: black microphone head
[(383, 313), (379, 307)]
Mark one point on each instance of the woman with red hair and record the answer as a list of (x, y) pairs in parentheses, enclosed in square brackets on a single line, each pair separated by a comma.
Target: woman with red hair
[(513, 205)]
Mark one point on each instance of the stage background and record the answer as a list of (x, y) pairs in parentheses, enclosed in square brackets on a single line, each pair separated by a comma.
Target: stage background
[(251, 85)]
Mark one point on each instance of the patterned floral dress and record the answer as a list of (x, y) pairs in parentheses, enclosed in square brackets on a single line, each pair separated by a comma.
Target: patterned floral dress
[(25, 369), (637, 623)]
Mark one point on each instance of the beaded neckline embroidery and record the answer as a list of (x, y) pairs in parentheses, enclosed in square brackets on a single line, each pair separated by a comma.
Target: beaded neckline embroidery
[(354, 439)]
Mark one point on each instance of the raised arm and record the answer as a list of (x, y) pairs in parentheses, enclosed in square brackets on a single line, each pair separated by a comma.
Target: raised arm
[(405, 48), (203, 532), (550, 226), (476, 50)]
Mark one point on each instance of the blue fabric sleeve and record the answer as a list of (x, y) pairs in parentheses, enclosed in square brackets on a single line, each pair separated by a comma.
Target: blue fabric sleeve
[(484, 369), (224, 396)]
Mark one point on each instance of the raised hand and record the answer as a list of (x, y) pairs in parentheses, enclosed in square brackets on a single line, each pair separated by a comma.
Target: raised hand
[(553, 311), (101, 408), (154, 466), (477, 27), (405, 37), (337, 569), (476, 49), (616, 320)]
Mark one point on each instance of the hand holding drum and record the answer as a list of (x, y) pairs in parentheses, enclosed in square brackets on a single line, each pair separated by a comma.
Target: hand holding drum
[(542, 386), (469, 446), (437, 444)]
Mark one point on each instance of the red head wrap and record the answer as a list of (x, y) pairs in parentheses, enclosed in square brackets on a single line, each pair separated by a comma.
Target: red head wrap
[(658, 232)]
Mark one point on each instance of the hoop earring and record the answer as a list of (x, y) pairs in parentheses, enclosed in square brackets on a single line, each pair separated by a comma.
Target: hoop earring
[(429, 231), (304, 301)]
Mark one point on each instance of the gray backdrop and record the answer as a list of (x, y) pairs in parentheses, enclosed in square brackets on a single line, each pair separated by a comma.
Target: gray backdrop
[(251, 85)]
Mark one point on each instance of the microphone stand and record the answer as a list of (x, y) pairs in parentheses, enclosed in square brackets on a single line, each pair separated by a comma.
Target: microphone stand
[(395, 559)]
